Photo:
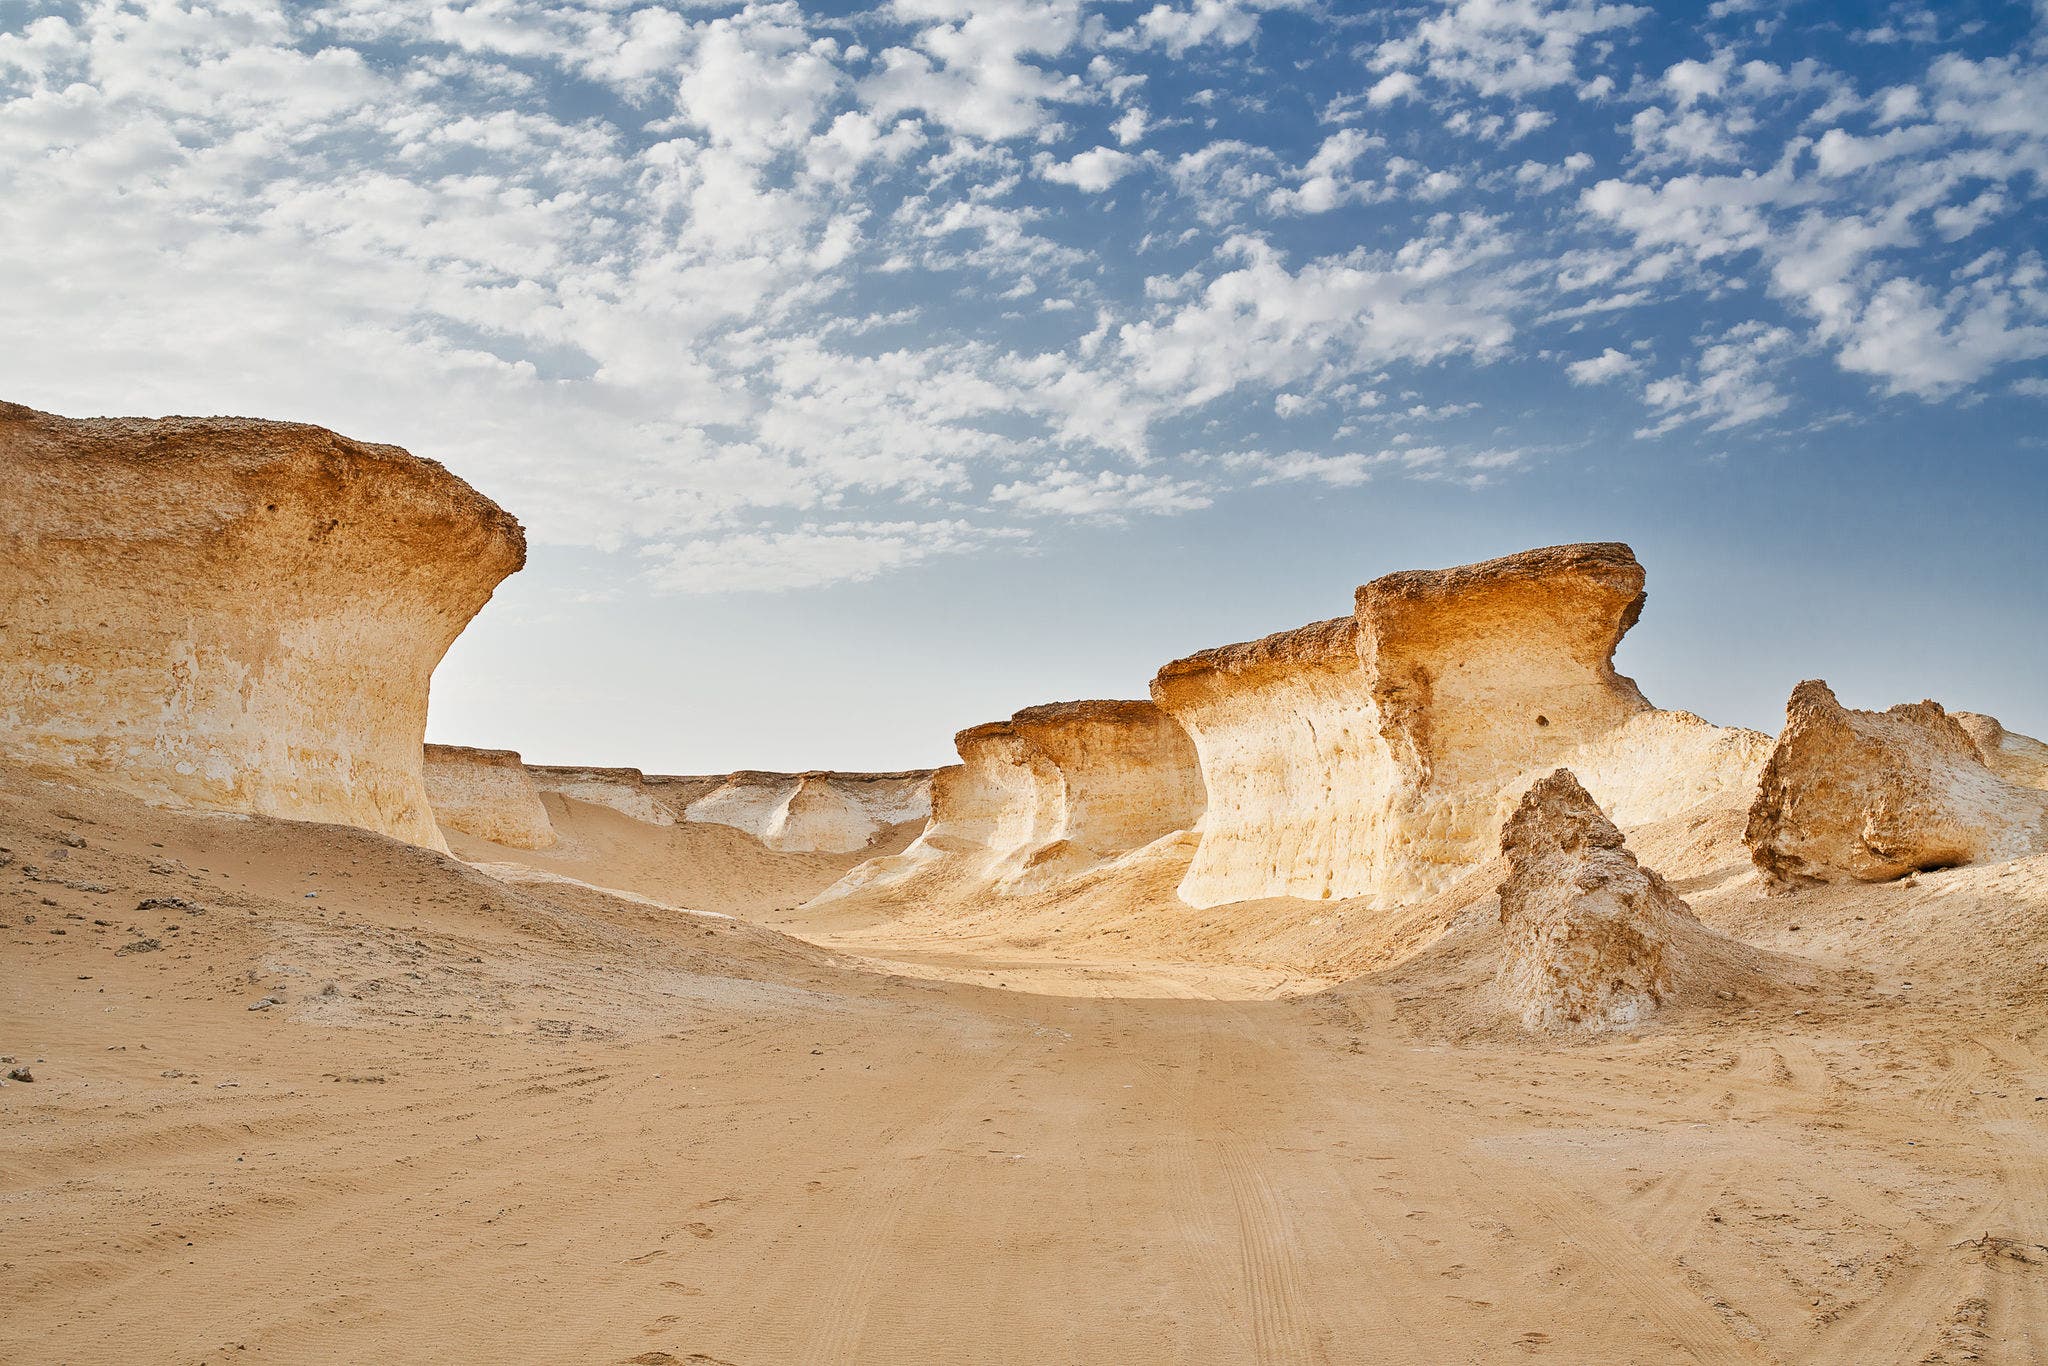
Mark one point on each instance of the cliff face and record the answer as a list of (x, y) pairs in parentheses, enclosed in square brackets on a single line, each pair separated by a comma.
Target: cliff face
[(627, 791), (835, 813), (2012, 756), (1588, 931), (487, 793), (1050, 792), (1868, 796), (1368, 757), (234, 614)]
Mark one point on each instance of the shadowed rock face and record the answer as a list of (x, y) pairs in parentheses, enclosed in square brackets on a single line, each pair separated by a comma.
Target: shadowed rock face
[(234, 614), (1588, 931), (1368, 756), (1869, 796), (487, 793)]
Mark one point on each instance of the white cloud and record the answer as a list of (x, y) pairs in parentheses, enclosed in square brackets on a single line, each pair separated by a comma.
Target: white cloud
[(1610, 364), (1105, 494), (1093, 171), (1506, 47), (1733, 383)]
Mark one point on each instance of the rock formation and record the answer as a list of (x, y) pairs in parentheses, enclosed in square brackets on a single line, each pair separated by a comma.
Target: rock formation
[(1589, 934), (815, 812), (2012, 756), (234, 614), (1367, 756), (1869, 796), (487, 793), (627, 791), (1051, 791)]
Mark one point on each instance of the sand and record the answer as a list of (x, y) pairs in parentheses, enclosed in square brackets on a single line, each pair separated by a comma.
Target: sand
[(535, 1121)]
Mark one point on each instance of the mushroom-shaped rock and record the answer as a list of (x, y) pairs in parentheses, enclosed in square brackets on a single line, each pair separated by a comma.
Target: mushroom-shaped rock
[(1588, 931), (1367, 756), (487, 793), (1869, 796), (234, 614)]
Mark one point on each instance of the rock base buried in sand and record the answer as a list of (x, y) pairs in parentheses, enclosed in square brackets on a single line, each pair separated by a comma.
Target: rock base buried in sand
[(1588, 929)]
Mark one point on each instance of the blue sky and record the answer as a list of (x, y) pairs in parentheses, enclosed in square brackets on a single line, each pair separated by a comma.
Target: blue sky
[(864, 372)]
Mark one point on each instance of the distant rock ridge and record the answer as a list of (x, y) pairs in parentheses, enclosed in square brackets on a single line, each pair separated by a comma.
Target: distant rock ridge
[(1589, 934), (487, 793), (1046, 794), (816, 811), (234, 614), (1869, 796), (1371, 756)]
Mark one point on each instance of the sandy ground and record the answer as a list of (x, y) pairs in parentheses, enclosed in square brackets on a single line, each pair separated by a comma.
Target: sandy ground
[(530, 1121)]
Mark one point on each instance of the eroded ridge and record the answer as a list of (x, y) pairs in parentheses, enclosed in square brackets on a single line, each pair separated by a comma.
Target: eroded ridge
[(234, 614)]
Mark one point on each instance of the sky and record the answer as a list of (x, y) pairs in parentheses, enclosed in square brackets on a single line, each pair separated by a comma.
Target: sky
[(862, 372)]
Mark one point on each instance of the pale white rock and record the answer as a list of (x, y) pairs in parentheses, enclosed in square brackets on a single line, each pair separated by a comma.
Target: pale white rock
[(1368, 756), (627, 791), (2012, 756), (234, 614), (816, 812), (487, 793)]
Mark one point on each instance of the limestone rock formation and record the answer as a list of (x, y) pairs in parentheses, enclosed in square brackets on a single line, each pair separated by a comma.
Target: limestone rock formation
[(2012, 756), (487, 793), (234, 614), (1051, 791), (1869, 796), (1589, 933), (815, 812), (1367, 756), (625, 790)]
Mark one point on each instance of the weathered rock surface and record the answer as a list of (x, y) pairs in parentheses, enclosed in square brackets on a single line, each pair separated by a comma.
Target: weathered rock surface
[(1869, 796), (1368, 756), (818, 812), (627, 791), (234, 614), (1051, 791), (1589, 933), (487, 793), (2012, 756)]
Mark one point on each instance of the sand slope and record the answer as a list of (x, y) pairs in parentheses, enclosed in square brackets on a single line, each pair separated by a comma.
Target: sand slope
[(537, 1122)]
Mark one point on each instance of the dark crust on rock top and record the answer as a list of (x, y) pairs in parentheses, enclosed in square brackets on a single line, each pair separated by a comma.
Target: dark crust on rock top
[(1121, 711), (254, 443), (1318, 641), (1611, 561), (497, 758)]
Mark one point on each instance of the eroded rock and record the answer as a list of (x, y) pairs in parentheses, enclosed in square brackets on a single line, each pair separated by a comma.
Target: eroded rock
[(1869, 796), (815, 812), (234, 614), (1589, 933), (487, 793), (1369, 756), (2012, 756)]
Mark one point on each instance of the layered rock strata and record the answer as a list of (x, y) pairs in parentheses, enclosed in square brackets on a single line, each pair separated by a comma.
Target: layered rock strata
[(1367, 756), (816, 812), (234, 614), (487, 793), (1588, 932), (1867, 796)]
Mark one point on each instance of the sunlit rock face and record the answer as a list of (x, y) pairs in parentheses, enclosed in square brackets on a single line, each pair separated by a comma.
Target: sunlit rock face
[(1587, 932), (627, 791), (2012, 756), (815, 812), (234, 614), (1049, 793), (1367, 756), (1869, 796), (487, 793)]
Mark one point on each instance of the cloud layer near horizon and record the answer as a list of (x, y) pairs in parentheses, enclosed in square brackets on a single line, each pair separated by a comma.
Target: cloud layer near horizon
[(761, 298)]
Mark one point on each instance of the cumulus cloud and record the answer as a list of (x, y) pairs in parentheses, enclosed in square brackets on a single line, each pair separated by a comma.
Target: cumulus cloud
[(1608, 365)]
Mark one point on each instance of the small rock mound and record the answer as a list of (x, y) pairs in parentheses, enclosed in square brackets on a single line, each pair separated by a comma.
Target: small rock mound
[(1589, 931), (1870, 796)]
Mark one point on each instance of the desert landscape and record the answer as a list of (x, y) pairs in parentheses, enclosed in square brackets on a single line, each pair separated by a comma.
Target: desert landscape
[(1401, 987)]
